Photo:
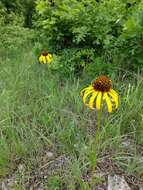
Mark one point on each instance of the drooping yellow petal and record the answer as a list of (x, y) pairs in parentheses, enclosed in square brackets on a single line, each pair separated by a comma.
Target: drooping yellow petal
[(87, 88), (41, 59), (91, 101), (44, 59), (50, 55), (114, 92), (115, 99), (49, 58), (98, 101), (86, 94), (108, 101)]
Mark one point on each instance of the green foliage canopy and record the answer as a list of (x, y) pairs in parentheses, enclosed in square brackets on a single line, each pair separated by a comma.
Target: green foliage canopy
[(17, 12), (112, 27)]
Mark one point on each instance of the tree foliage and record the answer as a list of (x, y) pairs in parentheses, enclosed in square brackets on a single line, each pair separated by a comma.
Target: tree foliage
[(112, 27), (17, 12)]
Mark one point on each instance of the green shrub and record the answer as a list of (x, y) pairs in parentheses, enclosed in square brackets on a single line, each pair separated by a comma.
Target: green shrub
[(78, 22), (12, 37), (80, 62), (11, 13), (113, 28), (72, 61)]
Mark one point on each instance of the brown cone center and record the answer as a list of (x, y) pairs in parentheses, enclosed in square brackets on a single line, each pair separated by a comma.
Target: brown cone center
[(45, 53), (102, 83)]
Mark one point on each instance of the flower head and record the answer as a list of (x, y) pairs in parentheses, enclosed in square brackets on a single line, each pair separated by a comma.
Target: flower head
[(99, 90), (45, 57)]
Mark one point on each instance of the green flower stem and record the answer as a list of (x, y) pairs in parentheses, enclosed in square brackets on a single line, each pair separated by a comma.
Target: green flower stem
[(98, 128), (97, 136), (97, 140)]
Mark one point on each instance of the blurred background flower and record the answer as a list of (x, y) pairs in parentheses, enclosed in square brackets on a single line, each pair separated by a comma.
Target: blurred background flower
[(45, 57)]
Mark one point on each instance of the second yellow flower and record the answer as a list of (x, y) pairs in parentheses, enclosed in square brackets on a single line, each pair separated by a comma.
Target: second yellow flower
[(45, 57)]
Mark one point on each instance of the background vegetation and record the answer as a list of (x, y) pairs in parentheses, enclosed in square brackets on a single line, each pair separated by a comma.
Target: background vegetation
[(113, 29), (45, 133)]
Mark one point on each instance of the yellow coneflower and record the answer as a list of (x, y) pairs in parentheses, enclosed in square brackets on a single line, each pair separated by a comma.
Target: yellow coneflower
[(45, 57), (99, 90)]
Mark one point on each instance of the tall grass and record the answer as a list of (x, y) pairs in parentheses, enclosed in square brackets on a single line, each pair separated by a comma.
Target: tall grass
[(40, 111)]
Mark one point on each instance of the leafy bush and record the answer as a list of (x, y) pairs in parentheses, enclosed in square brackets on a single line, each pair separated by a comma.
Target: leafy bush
[(12, 37), (10, 13), (113, 28), (72, 61), (77, 61)]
